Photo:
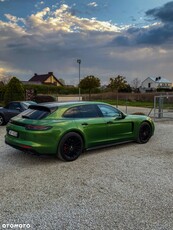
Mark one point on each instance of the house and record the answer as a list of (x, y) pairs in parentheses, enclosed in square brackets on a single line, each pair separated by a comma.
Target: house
[(152, 84), (47, 79)]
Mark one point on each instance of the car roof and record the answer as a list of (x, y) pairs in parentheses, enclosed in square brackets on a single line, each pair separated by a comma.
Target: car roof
[(67, 104), (23, 102), (55, 105)]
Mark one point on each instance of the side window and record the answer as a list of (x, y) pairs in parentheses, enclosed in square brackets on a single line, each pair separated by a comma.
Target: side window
[(109, 111), (14, 106), (72, 113), (89, 111), (82, 111)]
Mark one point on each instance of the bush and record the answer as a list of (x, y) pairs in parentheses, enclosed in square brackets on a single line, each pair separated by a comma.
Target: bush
[(43, 89), (50, 89), (14, 91)]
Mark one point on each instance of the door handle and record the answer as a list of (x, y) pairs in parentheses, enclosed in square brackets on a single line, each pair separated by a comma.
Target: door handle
[(84, 124)]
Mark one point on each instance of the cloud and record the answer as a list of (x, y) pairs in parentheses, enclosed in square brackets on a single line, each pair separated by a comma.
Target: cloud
[(157, 34), (39, 4), (164, 13), (93, 4), (52, 39), (48, 38), (14, 18), (62, 19), (2, 72)]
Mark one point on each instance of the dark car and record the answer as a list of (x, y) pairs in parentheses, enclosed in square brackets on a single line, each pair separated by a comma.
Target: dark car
[(12, 109)]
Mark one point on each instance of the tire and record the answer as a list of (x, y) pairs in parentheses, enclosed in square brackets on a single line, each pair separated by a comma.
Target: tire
[(145, 132), (70, 147), (2, 120)]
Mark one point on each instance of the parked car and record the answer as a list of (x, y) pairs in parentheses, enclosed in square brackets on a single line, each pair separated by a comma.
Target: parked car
[(67, 129), (12, 109)]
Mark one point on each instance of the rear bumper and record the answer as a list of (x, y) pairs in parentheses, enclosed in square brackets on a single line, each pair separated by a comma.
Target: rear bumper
[(22, 148), (27, 146)]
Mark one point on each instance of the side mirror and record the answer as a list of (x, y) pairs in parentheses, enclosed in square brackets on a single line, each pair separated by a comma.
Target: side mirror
[(120, 116)]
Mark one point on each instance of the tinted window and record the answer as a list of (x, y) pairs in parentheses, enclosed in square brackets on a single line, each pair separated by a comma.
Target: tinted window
[(72, 113), (35, 114), (82, 111), (89, 111), (109, 111), (13, 106)]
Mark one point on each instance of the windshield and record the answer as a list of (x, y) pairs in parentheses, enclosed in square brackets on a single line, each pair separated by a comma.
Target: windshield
[(27, 103)]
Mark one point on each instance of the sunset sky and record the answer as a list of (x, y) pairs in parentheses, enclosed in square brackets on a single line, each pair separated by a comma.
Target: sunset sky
[(133, 38)]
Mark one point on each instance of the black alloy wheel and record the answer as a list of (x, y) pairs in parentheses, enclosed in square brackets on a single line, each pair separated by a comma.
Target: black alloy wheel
[(145, 133), (70, 147)]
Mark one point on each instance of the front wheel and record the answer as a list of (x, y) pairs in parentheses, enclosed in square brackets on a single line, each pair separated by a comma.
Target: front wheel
[(70, 147), (145, 132)]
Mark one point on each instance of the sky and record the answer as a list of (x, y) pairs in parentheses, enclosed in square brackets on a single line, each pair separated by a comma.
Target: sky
[(132, 38)]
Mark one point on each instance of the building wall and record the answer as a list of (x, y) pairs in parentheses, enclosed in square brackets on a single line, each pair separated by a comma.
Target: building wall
[(149, 84), (165, 85), (52, 80), (152, 84)]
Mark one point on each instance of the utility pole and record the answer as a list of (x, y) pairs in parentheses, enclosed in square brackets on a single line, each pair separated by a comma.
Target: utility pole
[(79, 62)]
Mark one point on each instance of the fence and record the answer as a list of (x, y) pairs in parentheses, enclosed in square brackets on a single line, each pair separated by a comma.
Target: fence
[(163, 107)]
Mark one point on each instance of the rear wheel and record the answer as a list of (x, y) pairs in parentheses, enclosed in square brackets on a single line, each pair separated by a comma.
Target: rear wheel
[(70, 147), (145, 133), (2, 121)]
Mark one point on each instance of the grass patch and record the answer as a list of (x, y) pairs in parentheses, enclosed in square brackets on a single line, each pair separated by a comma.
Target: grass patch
[(129, 103)]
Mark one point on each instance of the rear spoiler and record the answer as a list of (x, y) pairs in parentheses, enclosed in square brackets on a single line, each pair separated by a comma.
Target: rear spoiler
[(42, 108)]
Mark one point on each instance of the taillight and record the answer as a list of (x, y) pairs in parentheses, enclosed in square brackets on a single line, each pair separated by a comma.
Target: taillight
[(37, 127)]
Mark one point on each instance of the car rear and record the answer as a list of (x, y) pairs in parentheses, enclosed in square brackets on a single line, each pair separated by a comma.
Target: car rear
[(35, 130)]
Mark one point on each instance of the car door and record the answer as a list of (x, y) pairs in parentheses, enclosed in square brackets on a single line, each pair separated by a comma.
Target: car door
[(119, 128), (90, 122), (12, 109)]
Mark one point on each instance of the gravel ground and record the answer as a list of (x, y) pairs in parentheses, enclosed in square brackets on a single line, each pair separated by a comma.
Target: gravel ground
[(128, 186)]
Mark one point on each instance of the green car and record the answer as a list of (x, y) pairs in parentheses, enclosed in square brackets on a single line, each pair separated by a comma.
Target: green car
[(67, 129)]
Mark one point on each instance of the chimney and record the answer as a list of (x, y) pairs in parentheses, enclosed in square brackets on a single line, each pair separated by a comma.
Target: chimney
[(50, 73), (35, 74)]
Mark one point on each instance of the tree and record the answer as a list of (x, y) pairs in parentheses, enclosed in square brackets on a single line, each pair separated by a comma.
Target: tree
[(127, 89), (118, 83), (89, 83), (135, 84), (14, 91)]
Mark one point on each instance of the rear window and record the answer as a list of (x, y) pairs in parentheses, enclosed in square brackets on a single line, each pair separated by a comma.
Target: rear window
[(35, 114)]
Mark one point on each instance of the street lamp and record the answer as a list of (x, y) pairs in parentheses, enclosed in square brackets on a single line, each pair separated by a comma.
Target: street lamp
[(79, 62)]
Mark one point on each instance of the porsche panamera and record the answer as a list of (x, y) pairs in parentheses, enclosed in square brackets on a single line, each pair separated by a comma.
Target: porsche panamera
[(67, 129)]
